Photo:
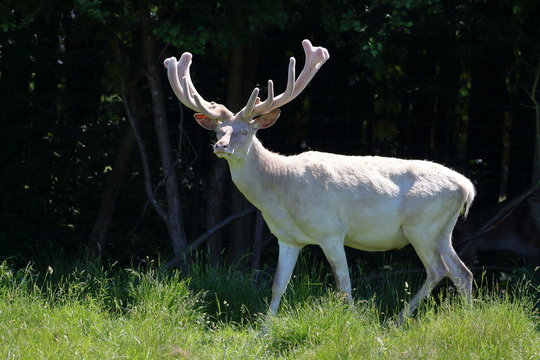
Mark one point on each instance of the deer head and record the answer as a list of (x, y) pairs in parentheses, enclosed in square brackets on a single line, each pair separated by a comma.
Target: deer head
[(236, 131)]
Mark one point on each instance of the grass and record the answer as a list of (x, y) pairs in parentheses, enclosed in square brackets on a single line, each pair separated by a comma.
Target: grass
[(96, 312)]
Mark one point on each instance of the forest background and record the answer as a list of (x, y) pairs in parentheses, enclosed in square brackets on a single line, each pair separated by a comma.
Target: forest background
[(98, 157)]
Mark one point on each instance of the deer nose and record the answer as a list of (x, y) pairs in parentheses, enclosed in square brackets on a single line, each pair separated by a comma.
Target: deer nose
[(221, 147), (223, 141)]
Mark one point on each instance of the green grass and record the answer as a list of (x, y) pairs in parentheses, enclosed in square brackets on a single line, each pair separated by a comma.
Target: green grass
[(96, 312)]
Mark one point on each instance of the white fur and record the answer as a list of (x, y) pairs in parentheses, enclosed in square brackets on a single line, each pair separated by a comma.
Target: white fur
[(368, 203), (365, 202)]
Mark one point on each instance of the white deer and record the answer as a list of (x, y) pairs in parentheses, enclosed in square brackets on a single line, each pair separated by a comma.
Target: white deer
[(365, 202)]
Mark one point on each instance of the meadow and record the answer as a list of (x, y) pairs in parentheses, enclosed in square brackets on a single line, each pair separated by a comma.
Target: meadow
[(94, 311)]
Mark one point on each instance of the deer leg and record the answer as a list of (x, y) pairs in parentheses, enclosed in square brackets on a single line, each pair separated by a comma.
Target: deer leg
[(440, 260), (458, 272), (287, 260), (436, 270), (425, 244), (335, 253), (460, 275)]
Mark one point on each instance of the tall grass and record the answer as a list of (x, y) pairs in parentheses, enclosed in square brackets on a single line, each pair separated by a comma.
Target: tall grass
[(104, 312)]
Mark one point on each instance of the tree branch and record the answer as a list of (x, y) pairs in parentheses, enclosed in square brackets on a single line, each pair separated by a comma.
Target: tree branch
[(384, 274), (144, 159), (534, 88), (140, 144), (503, 213), (204, 236), (201, 239)]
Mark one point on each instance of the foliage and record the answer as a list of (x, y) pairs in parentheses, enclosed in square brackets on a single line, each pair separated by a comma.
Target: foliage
[(100, 312), (219, 25), (415, 79)]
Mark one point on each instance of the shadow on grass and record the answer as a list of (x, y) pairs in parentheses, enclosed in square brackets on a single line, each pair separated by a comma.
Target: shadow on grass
[(238, 296)]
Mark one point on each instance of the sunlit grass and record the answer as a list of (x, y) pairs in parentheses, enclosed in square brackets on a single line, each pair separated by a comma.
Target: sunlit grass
[(108, 313)]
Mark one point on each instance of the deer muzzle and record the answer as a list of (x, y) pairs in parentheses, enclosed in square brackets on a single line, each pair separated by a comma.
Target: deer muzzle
[(222, 146), (222, 150)]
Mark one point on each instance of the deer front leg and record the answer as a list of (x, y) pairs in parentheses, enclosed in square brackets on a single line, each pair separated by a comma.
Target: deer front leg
[(287, 259), (335, 253)]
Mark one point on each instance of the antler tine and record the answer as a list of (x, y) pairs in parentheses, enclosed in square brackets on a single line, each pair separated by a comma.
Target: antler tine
[(246, 112), (272, 102), (254, 107), (315, 58), (180, 80), (287, 96), (172, 73), (260, 108)]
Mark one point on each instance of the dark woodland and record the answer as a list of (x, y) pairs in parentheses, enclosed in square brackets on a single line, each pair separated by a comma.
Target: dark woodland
[(98, 157)]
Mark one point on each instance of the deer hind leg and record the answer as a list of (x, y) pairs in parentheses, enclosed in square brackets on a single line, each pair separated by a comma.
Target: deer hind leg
[(440, 259), (436, 270), (458, 272), (286, 262), (427, 241), (335, 254)]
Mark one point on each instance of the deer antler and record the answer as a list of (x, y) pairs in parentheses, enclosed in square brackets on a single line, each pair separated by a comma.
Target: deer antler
[(180, 80), (315, 58)]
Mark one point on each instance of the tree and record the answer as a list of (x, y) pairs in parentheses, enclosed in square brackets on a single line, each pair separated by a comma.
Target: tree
[(414, 79), (145, 49), (239, 45)]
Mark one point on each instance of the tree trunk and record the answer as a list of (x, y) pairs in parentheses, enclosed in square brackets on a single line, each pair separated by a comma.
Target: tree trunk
[(242, 66), (485, 134), (174, 211), (239, 243), (214, 206), (98, 236), (447, 131), (536, 163), (258, 241), (419, 133), (536, 103), (535, 199)]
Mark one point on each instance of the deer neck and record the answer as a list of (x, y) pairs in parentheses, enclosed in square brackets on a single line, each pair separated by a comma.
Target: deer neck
[(257, 174)]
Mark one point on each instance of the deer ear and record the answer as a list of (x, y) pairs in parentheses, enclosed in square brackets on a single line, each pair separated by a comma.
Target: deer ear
[(205, 121), (266, 120)]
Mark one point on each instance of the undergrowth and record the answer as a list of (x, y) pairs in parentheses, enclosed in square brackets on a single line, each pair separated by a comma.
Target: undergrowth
[(92, 311)]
